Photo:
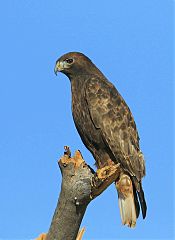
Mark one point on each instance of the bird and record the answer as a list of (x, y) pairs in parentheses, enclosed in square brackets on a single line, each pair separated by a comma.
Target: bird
[(107, 128)]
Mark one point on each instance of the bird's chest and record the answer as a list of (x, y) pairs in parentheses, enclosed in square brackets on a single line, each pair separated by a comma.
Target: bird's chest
[(82, 119), (80, 112)]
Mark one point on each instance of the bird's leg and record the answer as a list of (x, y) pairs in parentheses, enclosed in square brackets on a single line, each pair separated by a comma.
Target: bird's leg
[(103, 178), (103, 173)]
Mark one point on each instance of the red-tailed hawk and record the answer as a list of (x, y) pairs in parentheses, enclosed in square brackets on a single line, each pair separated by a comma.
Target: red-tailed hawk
[(107, 128)]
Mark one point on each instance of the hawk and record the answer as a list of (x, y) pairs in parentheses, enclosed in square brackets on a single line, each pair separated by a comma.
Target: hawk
[(108, 130)]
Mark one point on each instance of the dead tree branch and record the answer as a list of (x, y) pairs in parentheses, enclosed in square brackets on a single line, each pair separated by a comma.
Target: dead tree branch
[(80, 185)]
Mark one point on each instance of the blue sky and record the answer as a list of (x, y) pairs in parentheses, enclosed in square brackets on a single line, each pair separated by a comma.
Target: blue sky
[(131, 42)]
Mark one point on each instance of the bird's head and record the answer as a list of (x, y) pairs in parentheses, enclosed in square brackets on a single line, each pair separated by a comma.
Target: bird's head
[(74, 63)]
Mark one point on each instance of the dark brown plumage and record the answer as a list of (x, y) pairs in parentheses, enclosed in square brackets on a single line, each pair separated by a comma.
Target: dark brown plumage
[(105, 125)]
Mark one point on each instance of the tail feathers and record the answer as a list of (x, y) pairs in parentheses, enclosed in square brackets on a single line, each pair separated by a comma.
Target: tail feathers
[(127, 201), (142, 201), (137, 205), (127, 210), (139, 195)]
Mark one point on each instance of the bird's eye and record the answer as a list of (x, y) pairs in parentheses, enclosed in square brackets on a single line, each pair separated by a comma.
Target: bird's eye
[(69, 60)]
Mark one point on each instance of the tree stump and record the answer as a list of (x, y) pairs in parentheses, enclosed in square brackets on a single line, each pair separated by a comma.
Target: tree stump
[(80, 185)]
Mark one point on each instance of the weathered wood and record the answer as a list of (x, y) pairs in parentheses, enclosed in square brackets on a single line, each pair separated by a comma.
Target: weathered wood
[(79, 186)]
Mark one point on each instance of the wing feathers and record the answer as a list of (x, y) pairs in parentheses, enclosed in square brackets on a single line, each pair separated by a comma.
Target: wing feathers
[(110, 113)]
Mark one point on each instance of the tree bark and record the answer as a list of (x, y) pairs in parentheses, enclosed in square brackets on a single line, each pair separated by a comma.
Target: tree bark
[(80, 185)]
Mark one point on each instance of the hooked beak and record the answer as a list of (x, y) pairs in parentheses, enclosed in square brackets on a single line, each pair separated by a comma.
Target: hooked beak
[(58, 67)]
